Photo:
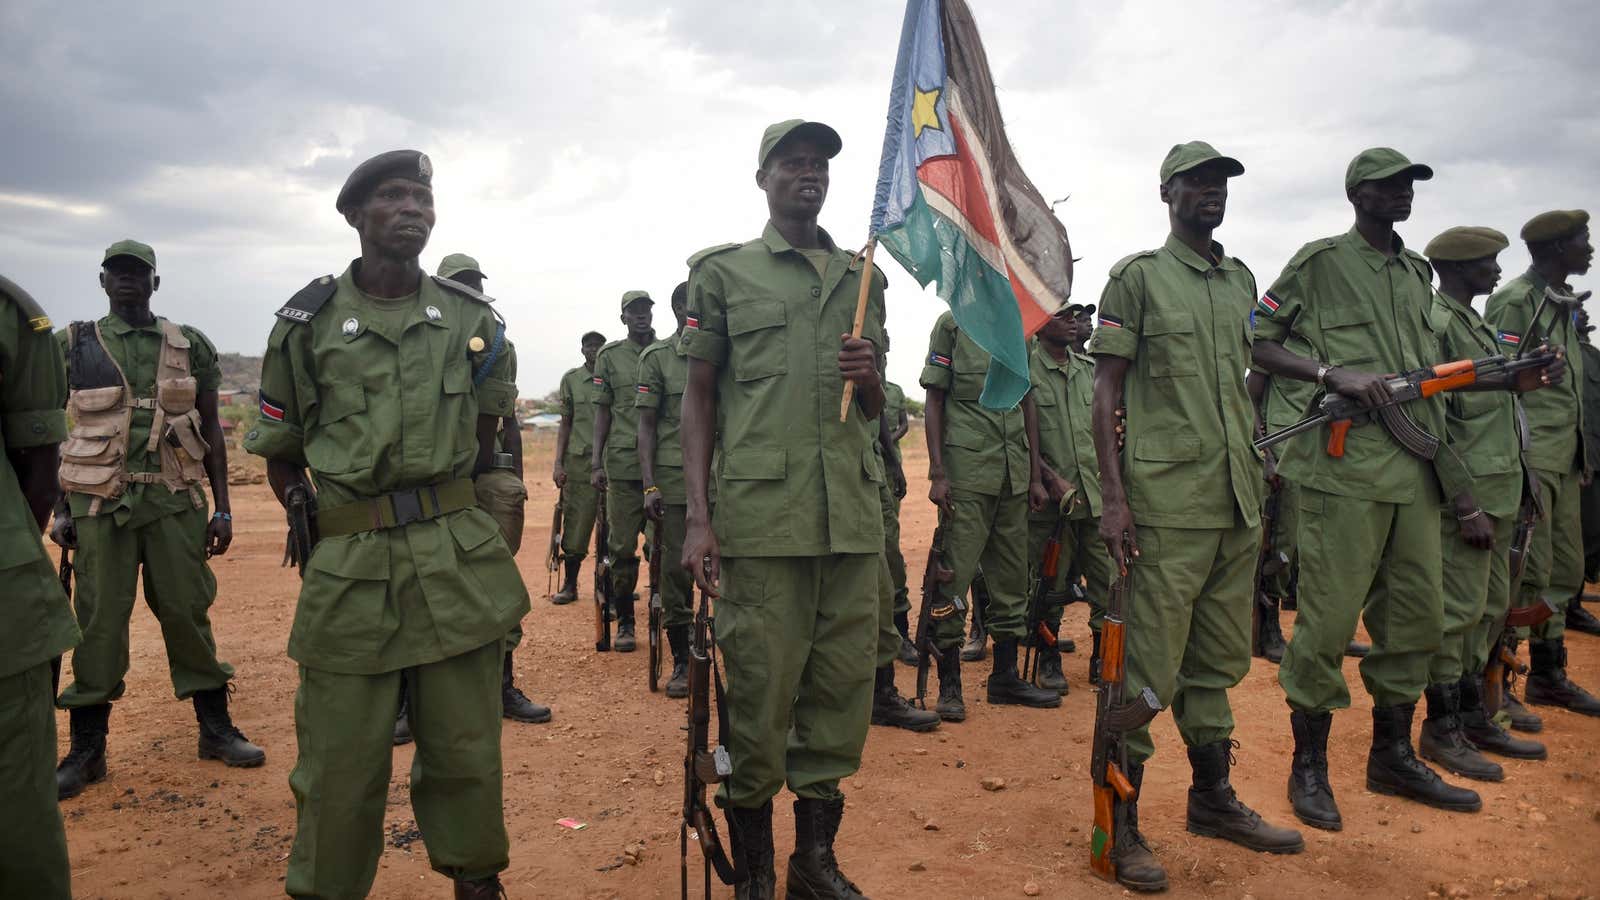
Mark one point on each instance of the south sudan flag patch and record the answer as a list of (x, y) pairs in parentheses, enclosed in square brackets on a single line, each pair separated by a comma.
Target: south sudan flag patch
[(690, 322), (1110, 321), (270, 410), (1268, 303), (1509, 337), (939, 359), (643, 389)]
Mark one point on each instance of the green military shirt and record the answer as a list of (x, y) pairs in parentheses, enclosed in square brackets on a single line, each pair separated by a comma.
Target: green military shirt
[(663, 372), (792, 480), (1481, 426), (577, 403), (137, 350), (985, 450), (33, 399), (1064, 394), (1555, 413), (1591, 403), (372, 405), (1288, 400), (894, 403), (617, 369), (1184, 322), (1354, 307)]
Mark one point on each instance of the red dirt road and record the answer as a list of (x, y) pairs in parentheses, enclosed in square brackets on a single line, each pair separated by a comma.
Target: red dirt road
[(918, 823)]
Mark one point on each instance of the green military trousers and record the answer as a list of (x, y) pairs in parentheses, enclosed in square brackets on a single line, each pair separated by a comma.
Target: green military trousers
[(1373, 560), (345, 728), (991, 532), (579, 499), (502, 495), (901, 602), (33, 865), (1476, 584), (1082, 554), (1554, 569), (625, 518), (797, 635), (1284, 533), (178, 587), (1188, 627), (677, 585), (888, 635)]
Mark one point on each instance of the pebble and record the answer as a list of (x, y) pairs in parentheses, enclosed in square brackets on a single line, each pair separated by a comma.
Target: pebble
[(1515, 885), (916, 867), (1032, 889), (993, 783), (1538, 818), (920, 751), (1416, 829), (659, 777), (930, 825), (1457, 892)]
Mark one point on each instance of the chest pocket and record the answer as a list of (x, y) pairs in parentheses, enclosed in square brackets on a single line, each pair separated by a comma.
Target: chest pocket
[(1349, 335), (1466, 405), (1169, 338), (342, 440), (969, 368), (758, 340), (676, 378)]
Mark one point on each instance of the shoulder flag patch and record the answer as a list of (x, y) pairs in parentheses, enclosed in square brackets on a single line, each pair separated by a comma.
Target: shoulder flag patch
[(599, 381), (1509, 337), (690, 322), (270, 410), (1110, 321), (939, 359), (643, 388), (1268, 303)]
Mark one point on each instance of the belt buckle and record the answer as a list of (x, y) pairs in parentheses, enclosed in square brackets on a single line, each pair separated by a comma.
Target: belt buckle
[(407, 507)]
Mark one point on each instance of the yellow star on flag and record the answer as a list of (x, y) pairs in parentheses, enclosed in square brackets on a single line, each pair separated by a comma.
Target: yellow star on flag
[(924, 111)]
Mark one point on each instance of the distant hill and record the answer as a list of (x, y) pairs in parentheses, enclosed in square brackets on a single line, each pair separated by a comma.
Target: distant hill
[(240, 372)]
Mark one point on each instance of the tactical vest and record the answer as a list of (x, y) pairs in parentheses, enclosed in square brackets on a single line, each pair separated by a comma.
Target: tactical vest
[(94, 460)]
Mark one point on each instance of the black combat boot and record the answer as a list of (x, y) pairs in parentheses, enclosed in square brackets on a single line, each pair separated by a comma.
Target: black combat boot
[(569, 582), (977, 645), (402, 717), (1309, 790), (1268, 643), (218, 738), (85, 762), (1484, 732), (1050, 677), (514, 704), (751, 838), (1548, 684), (889, 708), (1392, 767), (1137, 868), (813, 869), (678, 681), (1356, 649), (624, 642), (908, 650), (1216, 811), (951, 707), (480, 889), (1444, 740), (1005, 687), (1094, 659), (1580, 619)]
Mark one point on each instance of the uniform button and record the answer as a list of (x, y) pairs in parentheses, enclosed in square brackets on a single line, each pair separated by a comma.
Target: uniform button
[(252, 435), (816, 292), (38, 428)]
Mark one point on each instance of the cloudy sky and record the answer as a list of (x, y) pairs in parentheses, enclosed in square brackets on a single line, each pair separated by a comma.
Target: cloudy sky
[(585, 149)]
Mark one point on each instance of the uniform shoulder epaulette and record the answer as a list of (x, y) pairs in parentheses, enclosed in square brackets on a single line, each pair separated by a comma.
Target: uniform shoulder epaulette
[(711, 251), (616, 343), (309, 300), (654, 346), (1439, 313), (1240, 263), (38, 320), (1310, 250), (463, 290), (1123, 263)]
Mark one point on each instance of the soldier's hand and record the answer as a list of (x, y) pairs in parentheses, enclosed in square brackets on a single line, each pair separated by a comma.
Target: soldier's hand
[(939, 493), (1585, 478), (1366, 387), (1478, 532), (219, 534), (597, 479), (702, 558), (1038, 497), (64, 532), (1552, 373), (1121, 428), (654, 506), (560, 475), (1116, 519), (1269, 463), (1057, 486), (858, 361), (897, 481)]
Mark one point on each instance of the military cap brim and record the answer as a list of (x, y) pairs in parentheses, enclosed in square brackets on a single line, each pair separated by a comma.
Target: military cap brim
[(1464, 243), (633, 296), (132, 249), (1555, 225), (412, 165), (794, 129)]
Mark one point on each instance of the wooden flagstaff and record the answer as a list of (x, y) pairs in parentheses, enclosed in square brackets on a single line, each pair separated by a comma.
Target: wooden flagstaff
[(861, 315)]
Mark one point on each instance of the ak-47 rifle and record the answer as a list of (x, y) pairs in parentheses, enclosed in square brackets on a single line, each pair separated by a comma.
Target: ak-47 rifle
[(1036, 633), (554, 557), (654, 607), (66, 588), (935, 606), (703, 765), (1113, 719), (602, 579), (300, 506), (1268, 565)]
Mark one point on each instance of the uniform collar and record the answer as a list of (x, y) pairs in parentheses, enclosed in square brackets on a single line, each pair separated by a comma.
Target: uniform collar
[(117, 325), (1050, 361), (1535, 280), (1370, 254), (1193, 260), (778, 244)]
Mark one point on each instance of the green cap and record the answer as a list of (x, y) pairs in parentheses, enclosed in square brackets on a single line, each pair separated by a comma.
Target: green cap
[(775, 134), (130, 247), (1183, 157), (1554, 225), (1465, 242), (412, 165), (631, 296), (458, 262), (1381, 162)]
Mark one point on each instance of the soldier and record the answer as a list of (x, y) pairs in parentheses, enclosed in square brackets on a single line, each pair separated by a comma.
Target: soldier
[(1578, 618), (1558, 242), (1369, 519), (797, 543), (574, 440), (1183, 491), (1475, 549), (894, 425), (614, 462), (145, 434), (663, 370), (984, 473), (387, 386), (1063, 390), (39, 625)]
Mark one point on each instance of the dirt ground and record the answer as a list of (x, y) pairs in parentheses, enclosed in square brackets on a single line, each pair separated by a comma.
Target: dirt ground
[(918, 822)]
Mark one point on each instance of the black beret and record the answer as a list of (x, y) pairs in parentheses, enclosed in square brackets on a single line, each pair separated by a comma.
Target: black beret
[(412, 165), (1554, 225)]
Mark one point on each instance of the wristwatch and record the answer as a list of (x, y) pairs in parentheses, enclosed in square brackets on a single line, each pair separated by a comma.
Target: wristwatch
[(1322, 373)]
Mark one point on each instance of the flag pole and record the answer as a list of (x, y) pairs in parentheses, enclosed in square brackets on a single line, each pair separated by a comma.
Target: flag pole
[(861, 316)]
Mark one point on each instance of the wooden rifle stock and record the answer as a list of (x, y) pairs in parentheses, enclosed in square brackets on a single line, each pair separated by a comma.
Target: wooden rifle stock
[(602, 579), (702, 766)]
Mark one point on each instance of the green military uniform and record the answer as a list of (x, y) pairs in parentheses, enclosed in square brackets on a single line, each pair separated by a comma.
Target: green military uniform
[(894, 403), (1287, 402), (1064, 394), (39, 625), (1556, 454), (1192, 479), (986, 462), (616, 375), (578, 389), (151, 526), (663, 373), (1368, 535), (797, 515), (377, 398), (1591, 447)]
